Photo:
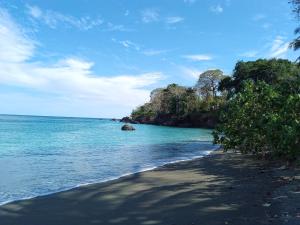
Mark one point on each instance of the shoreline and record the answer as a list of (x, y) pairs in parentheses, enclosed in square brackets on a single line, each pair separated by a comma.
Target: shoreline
[(207, 153), (220, 188)]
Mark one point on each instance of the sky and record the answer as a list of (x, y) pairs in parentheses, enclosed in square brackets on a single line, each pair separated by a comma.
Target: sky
[(102, 58)]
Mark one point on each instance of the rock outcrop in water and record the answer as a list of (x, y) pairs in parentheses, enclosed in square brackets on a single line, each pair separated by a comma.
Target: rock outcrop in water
[(127, 127), (127, 119)]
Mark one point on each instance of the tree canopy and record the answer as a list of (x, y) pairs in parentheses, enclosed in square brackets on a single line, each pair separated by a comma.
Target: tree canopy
[(179, 102), (262, 115), (208, 82), (269, 71)]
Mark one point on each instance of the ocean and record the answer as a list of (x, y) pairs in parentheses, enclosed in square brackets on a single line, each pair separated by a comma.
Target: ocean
[(43, 155)]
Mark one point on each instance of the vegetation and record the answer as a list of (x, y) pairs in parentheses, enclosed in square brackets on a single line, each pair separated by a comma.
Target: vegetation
[(270, 71), (262, 113), (258, 107), (173, 99), (256, 110), (178, 105)]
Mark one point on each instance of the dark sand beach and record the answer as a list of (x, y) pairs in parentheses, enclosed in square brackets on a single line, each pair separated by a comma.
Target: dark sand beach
[(223, 188)]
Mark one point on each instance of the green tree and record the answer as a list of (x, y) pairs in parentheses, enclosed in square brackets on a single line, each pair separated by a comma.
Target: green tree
[(207, 85), (270, 71), (263, 119)]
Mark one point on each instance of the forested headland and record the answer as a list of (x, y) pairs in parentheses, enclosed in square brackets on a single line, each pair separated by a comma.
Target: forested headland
[(254, 110), (176, 105)]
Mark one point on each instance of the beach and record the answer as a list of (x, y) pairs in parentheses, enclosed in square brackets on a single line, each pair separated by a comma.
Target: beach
[(222, 188)]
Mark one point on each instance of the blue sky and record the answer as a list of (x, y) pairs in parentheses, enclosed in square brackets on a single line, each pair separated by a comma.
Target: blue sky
[(102, 58)]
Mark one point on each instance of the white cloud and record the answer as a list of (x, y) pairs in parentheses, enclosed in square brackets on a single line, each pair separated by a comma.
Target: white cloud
[(198, 57), (128, 44), (279, 48), (217, 9), (71, 78), (14, 45), (132, 45), (53, 19), (150, 15), (174, 19)]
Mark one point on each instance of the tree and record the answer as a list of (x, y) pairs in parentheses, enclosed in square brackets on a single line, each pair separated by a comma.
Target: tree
[(263, 119), (156, 98), (177, 104), (261, 115), (269, 71), (207, 85)]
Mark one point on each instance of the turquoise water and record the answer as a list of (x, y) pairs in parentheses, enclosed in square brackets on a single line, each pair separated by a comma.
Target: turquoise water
[(42, 155)]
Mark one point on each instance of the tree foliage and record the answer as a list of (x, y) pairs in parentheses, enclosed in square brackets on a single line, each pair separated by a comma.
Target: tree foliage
[(270, 71), (208, 82), (174, 99), (262, 115), (180, 102)]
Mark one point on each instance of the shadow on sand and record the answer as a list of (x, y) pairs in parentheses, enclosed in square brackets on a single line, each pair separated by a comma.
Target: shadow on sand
[(218, 189)]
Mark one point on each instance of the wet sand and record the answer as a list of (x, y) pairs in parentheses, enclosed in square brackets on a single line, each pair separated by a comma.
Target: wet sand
[(222, 188)]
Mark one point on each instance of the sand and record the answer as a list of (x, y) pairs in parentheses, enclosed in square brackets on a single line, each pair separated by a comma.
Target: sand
[(223, 188)]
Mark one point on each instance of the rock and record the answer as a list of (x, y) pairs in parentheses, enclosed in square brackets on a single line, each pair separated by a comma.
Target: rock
[(126, 119), (127, 127)]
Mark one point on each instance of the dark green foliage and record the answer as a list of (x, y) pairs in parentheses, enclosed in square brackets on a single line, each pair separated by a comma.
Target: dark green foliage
[(174, 99), (262, 115), (178, 105), (270, 71)]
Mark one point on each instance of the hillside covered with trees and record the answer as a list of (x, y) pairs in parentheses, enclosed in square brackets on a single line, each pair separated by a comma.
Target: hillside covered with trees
[(177, 105), (256, 110)]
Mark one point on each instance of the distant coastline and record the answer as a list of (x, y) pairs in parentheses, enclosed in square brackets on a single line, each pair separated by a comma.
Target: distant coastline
[(57, 116)]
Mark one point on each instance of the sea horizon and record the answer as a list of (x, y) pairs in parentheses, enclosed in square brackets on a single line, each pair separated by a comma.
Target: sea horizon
[(80, 117)]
